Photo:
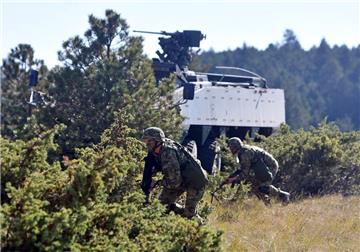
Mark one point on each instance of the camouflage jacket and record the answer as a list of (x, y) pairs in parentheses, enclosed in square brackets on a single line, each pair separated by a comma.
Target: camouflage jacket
[(178, 169), (253, 163)]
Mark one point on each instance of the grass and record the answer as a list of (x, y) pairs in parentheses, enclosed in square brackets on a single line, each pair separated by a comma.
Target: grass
[(329, 223)]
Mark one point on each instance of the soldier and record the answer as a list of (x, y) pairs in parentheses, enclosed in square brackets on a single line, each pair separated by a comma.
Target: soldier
[(182, 172), (257, 167)]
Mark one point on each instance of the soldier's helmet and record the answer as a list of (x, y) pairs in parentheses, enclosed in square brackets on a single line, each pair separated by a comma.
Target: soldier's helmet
[(154, 133), (235, 144)]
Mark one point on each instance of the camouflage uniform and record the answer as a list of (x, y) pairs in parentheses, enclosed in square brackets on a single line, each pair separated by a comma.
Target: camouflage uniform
[(259, 168), (182, 173), (248, 155)]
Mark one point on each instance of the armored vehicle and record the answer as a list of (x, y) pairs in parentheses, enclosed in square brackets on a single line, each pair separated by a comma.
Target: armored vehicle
[(216, 103)]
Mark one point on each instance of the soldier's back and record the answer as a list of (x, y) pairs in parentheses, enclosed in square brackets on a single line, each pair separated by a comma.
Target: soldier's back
[(169, 146), (258, 159)]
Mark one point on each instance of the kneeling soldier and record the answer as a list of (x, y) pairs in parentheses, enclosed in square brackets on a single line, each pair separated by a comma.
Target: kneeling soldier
[(182, 172), (257, 167)]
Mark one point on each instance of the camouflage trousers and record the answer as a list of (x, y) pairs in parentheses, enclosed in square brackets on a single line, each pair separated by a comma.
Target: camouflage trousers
[(264, 190), (169, 197)]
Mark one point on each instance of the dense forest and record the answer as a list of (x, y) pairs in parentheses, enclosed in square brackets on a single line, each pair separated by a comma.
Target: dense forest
[(71, 166), (323, 82)]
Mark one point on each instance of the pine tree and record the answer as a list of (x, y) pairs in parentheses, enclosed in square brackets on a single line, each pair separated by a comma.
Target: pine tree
[(101, 72), (15, 91)]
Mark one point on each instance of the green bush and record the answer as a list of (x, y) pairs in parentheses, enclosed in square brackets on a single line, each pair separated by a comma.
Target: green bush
[(93, 202), (319, 161), (90, 203), (322, 160)]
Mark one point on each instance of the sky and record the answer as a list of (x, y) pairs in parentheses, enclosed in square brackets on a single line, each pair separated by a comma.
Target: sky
[(46, 24)]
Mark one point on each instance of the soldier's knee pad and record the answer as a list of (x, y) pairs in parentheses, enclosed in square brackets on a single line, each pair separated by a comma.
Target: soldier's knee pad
[(284, 196), (189, 213)]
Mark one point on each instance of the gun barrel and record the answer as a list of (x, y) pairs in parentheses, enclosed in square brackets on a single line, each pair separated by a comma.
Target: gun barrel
[(150, 32)]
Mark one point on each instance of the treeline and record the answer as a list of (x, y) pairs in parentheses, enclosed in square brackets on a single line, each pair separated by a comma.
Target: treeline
[(323, 82)]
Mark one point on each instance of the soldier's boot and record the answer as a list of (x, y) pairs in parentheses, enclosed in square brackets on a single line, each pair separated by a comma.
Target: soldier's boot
[(267, 200), (264, 198), (284, 197), (263, 193)]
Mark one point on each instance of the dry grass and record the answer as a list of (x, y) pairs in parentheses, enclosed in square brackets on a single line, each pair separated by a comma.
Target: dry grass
[(330, 223)]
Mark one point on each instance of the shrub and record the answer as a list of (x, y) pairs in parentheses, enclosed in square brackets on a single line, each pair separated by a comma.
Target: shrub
[(90, 203), (319, 161)]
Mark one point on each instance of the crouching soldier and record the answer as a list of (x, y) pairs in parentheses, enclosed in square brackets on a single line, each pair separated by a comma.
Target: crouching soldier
[(257, 167), (181, 172)]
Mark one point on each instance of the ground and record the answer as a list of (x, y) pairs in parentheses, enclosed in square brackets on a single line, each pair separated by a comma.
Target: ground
[(328, 223)]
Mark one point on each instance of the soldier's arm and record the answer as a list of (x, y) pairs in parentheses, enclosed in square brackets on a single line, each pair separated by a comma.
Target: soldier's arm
[(171, 169), (150, 163), (242, 167), (236, 175)]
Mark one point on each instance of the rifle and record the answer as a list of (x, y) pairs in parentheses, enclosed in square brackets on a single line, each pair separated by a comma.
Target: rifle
[(217, 189)]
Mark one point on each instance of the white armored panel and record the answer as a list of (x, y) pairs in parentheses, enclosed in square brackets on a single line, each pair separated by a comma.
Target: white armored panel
[(235, 106)]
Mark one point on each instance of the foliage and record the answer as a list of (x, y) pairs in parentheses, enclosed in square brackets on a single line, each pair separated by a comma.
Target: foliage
[(91, 203), (152, 105), (319, 161), (102, 70)]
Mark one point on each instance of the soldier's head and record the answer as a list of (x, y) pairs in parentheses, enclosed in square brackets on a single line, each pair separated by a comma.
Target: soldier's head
[(235, 144), (153, 137)]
